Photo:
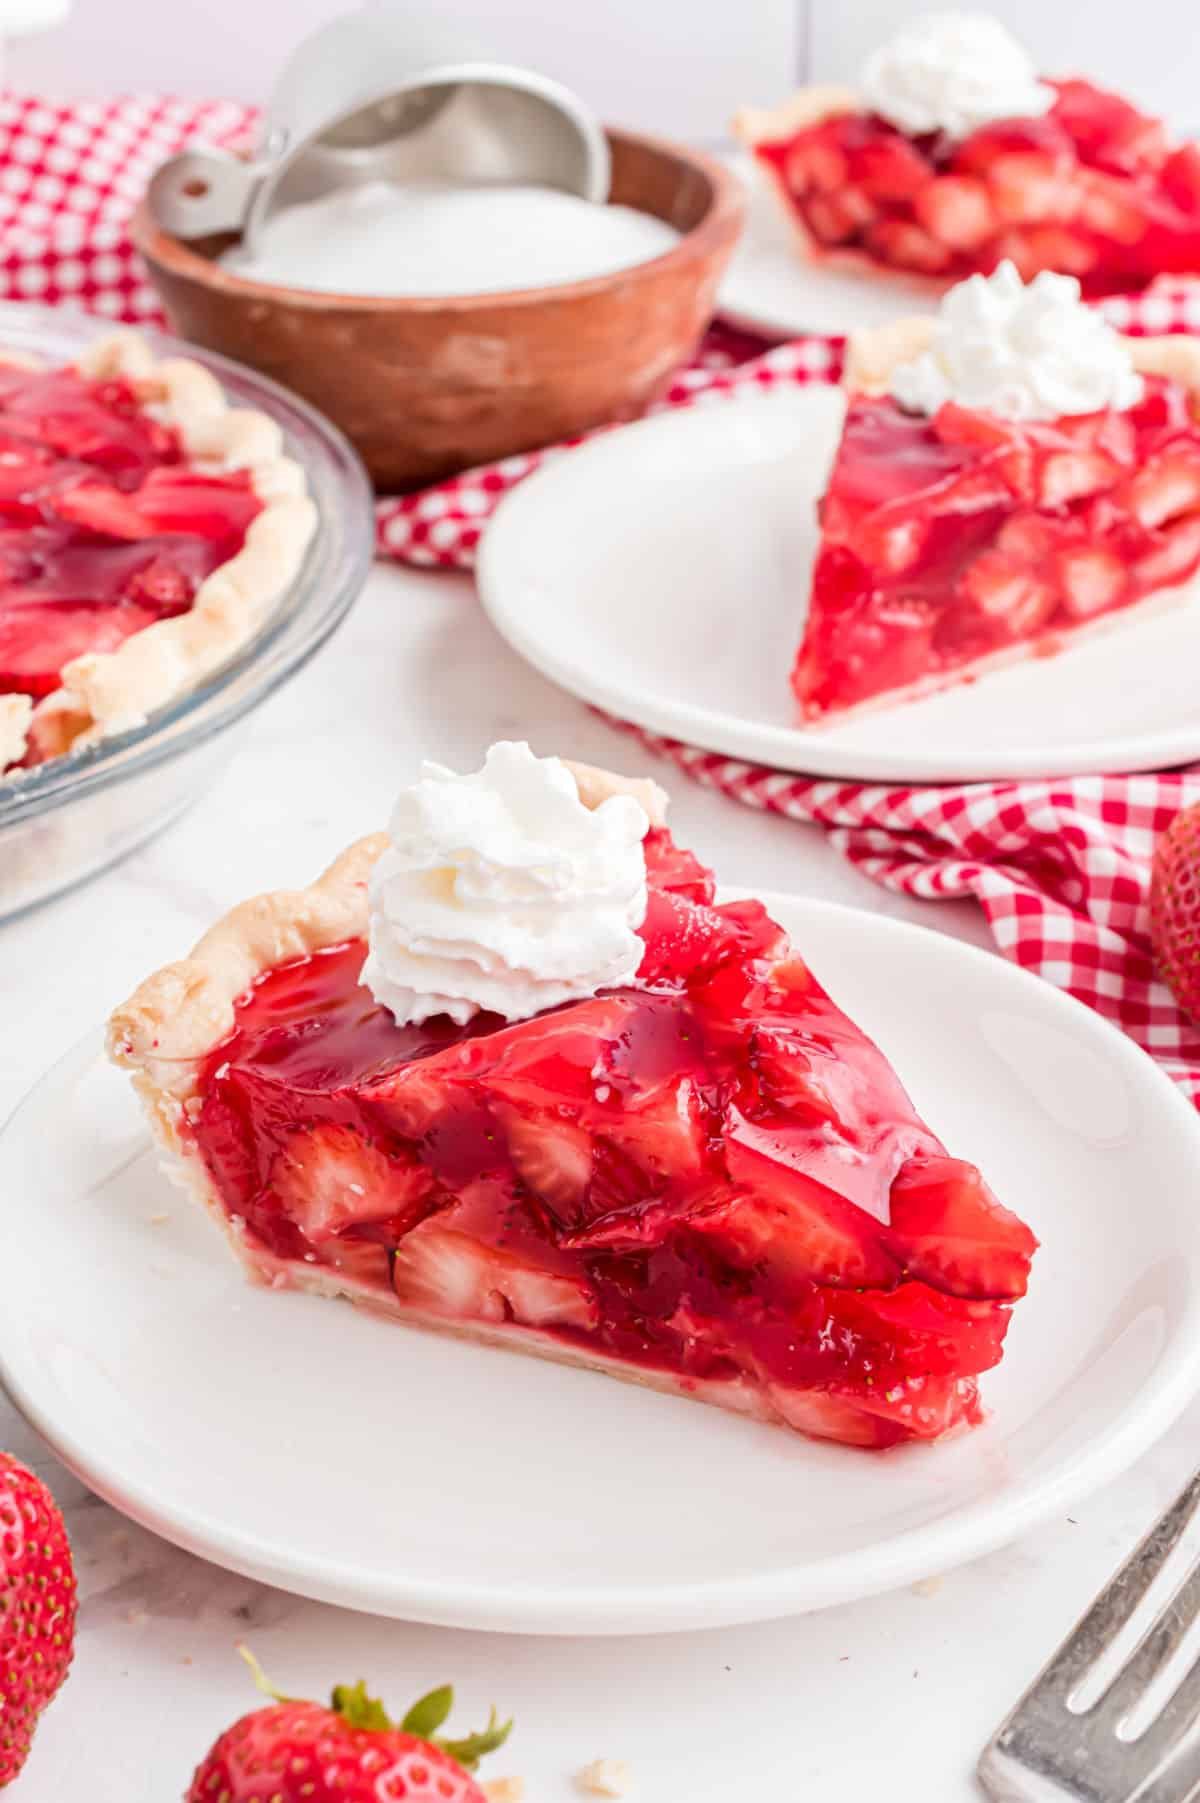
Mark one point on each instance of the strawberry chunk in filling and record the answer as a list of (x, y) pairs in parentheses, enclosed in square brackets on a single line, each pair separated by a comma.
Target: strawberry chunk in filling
[(1093, 188), (951, 540), (711, 1174)]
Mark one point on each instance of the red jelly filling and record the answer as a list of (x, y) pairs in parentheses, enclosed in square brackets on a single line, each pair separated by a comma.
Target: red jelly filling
[(1093, 189), (952, 539), (711, 1173), (104, 528)]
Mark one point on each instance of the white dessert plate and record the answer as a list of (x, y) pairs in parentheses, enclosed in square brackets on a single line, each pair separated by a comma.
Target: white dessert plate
[(340, 1455), (662, 572), (770, 290)]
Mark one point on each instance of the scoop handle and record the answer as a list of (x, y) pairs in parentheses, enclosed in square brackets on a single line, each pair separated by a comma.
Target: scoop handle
[(200, 192)]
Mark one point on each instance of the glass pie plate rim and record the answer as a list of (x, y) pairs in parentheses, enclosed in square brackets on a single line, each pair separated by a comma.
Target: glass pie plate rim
[(314, 605)]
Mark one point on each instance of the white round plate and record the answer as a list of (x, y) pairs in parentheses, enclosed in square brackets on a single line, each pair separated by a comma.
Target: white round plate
[(320, 1448), (662, 573), (770, 290)]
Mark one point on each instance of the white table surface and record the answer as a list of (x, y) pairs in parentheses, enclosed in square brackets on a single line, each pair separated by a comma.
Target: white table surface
[(892, 1696)]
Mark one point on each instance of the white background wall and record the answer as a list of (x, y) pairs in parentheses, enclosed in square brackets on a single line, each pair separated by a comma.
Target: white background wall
[(682, 65)]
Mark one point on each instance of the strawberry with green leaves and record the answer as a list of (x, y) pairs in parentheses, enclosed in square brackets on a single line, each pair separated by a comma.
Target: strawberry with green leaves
[(37, 1609), (350, 1751)]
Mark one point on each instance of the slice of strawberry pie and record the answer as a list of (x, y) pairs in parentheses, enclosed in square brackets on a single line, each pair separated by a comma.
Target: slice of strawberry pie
[(517, 1075), (952, 156), (146, 528), (1012, 477)]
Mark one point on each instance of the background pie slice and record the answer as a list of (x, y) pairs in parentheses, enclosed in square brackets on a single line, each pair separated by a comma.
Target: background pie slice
[(709, 1181), (1092, 188), (961, 543)]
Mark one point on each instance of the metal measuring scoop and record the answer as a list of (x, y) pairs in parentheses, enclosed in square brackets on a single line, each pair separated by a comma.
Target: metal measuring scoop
[(377, 96)]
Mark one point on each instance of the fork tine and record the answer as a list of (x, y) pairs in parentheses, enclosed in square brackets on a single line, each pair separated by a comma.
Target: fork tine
[(1161, 1740), (1175, 1782), (1119, 1598), (1158, 1643)]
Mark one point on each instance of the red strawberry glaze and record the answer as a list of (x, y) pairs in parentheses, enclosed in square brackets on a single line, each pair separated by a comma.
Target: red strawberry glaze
[(1093, 188), (711, 1173), (104, 528), (954, 539)]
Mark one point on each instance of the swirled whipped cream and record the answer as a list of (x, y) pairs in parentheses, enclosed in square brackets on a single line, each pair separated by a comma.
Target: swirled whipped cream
[(1023, 352), (502, 891), (953, 72)]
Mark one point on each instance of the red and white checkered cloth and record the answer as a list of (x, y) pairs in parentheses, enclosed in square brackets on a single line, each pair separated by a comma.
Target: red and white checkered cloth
[(1060, 868)]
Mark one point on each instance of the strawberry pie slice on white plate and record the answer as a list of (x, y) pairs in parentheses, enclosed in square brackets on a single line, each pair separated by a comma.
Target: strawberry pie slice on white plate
[(516, 1075)]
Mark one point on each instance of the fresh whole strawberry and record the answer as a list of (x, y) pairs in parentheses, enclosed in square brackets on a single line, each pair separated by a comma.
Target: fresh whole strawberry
[(37, 1609), (1175, 908), (347, 1752)]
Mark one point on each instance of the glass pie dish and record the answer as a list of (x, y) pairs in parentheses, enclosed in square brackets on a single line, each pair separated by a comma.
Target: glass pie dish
[(66, 819)]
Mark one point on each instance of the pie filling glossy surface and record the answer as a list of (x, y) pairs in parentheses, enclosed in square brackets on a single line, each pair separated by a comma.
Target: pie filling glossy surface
[(952, 540), (105, 528), (1093, 188), (710, 1176)]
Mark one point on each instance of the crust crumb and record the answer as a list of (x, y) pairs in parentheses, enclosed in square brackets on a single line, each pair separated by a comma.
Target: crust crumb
[(605, 1778), (504, 1790)]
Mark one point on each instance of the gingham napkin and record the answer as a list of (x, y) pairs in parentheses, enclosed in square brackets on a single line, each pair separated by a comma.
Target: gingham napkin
[(1060, 869)]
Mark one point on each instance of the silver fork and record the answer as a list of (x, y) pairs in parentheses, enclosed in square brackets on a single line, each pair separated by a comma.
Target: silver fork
[(1047, 1752)]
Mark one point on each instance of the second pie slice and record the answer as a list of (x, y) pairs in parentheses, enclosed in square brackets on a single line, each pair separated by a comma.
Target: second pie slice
[(1012, 477), (678, 1162)]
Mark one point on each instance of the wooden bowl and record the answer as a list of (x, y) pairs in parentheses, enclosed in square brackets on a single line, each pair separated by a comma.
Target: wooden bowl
[(428, 386)]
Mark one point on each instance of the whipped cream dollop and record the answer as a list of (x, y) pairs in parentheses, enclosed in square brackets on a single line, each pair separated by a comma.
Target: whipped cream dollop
[(953, 72), (1024, 352), (501, 891)]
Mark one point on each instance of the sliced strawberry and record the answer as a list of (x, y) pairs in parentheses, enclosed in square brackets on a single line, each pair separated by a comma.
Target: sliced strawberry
[(664, 1133), (956, 210), (890, 168), (1014, 457), (1028, 537), (1029, 187), (1069, 475), (910, 1333), (948, 1229), (1165, 487), (1180, 176), (893, 544), (552, 1157), (1107, 129), (804, 1230), (685, 940), (905, 244), (785, 1078), (101, 508), (835, 218), (669, 866), (1043, 137), (922, 1408), (1092, 579), (1037, 247), (815, 164), (1008, 592), (1111, 206), (328, 1178), (444, 1272), (1174, 557)]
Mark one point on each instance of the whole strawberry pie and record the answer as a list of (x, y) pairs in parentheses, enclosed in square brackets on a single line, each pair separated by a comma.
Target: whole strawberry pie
[(953, 155), (513, 1072), (146, 529), (1012, 477)]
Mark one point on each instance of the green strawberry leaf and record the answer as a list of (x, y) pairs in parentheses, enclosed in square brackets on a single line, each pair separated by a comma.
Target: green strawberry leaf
[(472, 1747), (353, 1704), (429, 1712)]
